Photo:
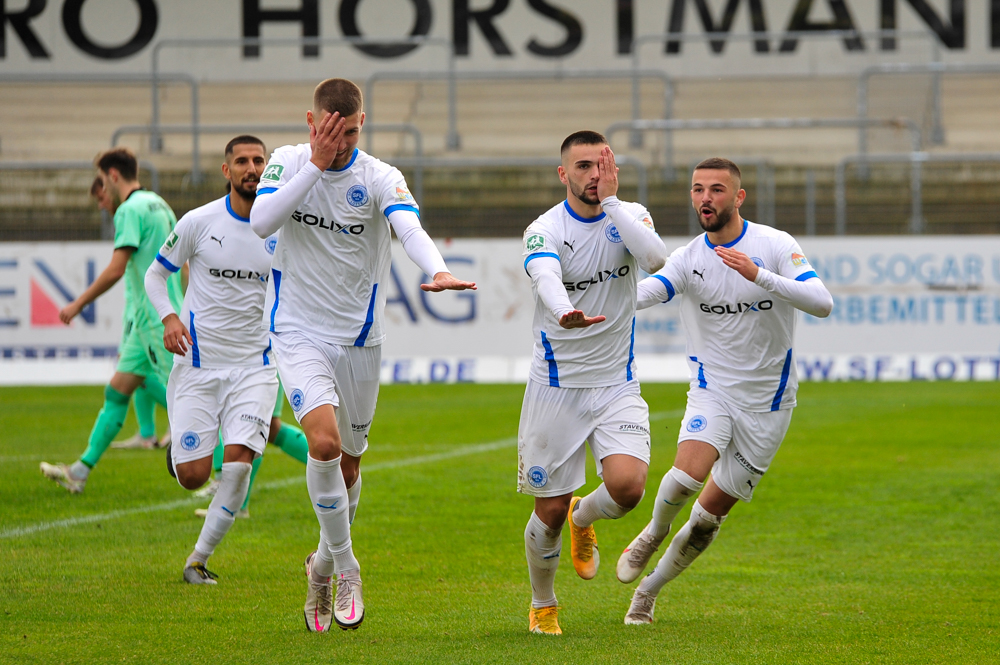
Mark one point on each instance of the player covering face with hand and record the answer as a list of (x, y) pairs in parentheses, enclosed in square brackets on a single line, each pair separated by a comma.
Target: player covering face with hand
[(741, 284), (334, 205), (583, 257)]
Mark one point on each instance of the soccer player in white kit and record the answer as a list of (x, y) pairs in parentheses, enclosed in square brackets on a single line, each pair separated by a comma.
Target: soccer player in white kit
[(224, 377), (334, 205), (582, 256), (741, 284)]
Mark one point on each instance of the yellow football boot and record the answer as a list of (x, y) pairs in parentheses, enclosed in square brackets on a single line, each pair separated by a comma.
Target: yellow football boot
[(544, 621), (583, 546)]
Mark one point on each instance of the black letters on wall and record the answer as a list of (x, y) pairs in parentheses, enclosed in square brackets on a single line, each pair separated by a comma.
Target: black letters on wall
[(574, 30), (462, 16), (148, 20), (307, 14), (421, 27), (841, 21), (676, 25), (19, 21), (952, 36)]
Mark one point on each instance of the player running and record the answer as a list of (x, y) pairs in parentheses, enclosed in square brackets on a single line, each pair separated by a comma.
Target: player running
[(334, 205), (742, 283), (582, 256), (224, 377), (142, 223)]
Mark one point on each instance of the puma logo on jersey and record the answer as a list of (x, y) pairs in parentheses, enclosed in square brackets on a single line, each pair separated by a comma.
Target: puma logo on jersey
[(218, 240), (700, 274), (570, 246)]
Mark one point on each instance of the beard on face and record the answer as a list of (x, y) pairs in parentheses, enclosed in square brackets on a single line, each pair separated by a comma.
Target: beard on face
[(244, 193), (583, 196), (722, 218)]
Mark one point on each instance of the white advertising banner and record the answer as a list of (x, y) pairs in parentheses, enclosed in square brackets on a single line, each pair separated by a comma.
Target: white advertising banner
[(203, 38), (906, 308)]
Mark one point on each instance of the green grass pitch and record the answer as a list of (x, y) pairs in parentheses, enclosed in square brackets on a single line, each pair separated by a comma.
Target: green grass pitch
[(874, 538)]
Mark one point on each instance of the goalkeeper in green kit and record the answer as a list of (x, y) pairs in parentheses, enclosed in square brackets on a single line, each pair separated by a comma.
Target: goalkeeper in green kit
[(143, 223)]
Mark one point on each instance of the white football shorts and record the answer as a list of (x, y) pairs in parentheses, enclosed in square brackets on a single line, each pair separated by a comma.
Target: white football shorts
[(555, 424), (747, 441), (200, 401), (315, 373)]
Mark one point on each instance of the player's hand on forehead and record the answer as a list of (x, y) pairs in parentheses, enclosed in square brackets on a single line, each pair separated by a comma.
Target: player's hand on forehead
[(325, 138)]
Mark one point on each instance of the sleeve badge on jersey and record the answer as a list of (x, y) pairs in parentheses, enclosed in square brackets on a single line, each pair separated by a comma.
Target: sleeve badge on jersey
[(171, 241), (648, 222), (798, 260), (272, 173), (403, 194), (533, 242)]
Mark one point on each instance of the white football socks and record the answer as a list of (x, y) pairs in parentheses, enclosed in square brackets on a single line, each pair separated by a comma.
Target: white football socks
[(353, 497), (233, 484), (328, 494), (541, 547), (598, 505), (693, 539), (675, 490)]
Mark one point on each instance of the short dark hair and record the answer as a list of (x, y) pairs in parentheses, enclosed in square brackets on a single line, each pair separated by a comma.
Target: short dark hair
[(584, 137), (244, 139), (721, 164), (338, 96), (97, 186), (121, 159)]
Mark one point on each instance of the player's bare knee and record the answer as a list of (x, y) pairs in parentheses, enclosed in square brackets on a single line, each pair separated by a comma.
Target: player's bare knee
[(351, 468), (272, 433), (553, 510), (324, 446), (190, 478), (628, 496)]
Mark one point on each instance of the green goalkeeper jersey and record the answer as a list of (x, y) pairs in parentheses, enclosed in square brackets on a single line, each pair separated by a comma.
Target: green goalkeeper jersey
[(143, 222)]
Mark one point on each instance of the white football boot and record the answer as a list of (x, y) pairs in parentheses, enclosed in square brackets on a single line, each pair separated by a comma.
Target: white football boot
[(640, 611), (636, 556), (349, 608), (61, 474), (319, 601)]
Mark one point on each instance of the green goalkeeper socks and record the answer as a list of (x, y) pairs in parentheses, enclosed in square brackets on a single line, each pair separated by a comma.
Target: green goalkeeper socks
[(217, 456), (293, 441), (106, 427), (145, 412), (156, 390)]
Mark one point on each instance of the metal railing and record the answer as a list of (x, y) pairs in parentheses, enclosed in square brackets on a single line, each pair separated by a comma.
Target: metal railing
[(197, 130), (673, 125), (107, 227), (155, 139), (935, 68), (453, 139), (915, 159), (642, 176)]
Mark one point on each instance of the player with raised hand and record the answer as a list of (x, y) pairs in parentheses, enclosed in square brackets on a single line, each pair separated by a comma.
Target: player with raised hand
[(334, 205), (224, 379), (582, 257), (742, 283), (142, 223)]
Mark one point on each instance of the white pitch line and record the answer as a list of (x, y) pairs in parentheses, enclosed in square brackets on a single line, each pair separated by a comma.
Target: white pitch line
[(20, 458), (274, 484)]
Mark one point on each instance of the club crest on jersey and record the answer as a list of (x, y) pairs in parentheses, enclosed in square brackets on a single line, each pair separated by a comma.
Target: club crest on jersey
[(611, 231), (190, 440), (537, 477), (357, 196), (531, 243), (296, 399), (798, 260), (697, 424), (757, 262), (270, 244), (272, 173)]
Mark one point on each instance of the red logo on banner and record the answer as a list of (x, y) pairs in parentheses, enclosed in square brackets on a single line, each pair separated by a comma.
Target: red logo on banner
[(44, 312)]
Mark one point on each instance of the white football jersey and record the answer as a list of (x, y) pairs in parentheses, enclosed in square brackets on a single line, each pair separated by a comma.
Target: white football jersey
[(328, 277), (739, 336), (600, 278), (228, 272)]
